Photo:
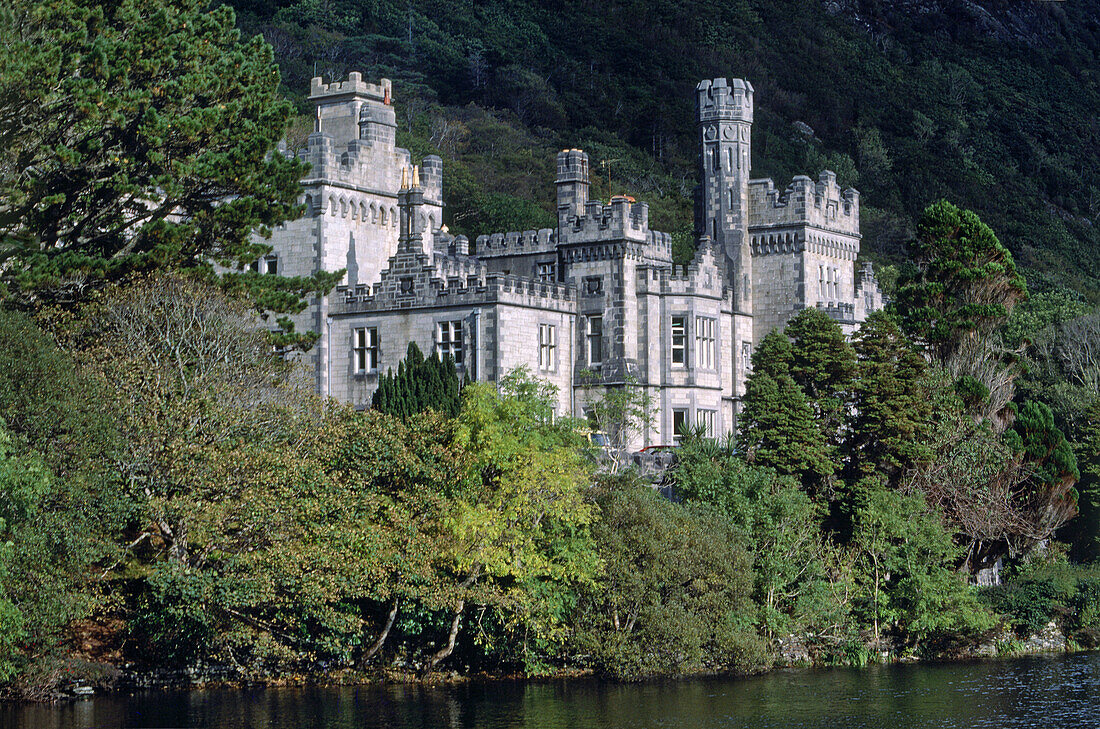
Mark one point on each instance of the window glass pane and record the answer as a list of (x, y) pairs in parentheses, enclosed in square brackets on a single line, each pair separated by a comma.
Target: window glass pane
[(679, 341), (595, 339), (679, 420)]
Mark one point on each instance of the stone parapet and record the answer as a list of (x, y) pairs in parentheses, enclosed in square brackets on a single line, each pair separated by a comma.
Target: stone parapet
[(722, 100), (622, 219), (493, 289), (822, 204), (354, 85)]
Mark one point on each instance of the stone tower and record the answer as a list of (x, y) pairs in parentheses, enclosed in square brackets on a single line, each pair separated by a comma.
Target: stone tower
[(723, 113), (572, 185)]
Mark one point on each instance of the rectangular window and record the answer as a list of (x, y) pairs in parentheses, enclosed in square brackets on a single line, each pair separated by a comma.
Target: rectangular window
[(595, 340), (271, 265), (746, 356), (364, 346), (704, 343), (679, 424), (679, 342), (548, 347), (707, 420), (545, 272), (448, 340)]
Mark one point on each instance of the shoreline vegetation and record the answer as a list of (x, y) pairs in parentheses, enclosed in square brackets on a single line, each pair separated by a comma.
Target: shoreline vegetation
[(174, 493), (1005, 645)]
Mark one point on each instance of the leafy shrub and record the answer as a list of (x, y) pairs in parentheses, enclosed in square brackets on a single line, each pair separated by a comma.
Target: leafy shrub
[(674, 596), (1029, 604)]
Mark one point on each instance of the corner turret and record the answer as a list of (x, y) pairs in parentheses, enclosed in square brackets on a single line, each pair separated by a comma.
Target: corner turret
[(572, 184)]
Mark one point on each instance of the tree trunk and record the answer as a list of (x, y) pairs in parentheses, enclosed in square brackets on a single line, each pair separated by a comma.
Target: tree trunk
[(449, 648), (382, 636)]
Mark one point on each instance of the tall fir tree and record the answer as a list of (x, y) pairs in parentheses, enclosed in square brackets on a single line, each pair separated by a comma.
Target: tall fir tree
[(889, 429), (823, 364), (777, 426)]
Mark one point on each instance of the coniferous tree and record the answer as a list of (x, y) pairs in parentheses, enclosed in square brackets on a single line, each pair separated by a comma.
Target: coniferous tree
[(777, 427), (964, 283), (823, 364), (420, 384), (892, 411), (141, 135)]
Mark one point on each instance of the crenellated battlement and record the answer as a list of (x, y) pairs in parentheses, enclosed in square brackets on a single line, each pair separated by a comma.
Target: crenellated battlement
[(354, 85), (623, 219), (434, 292), (360, 167), (516, 242), (842, 313), (704, 276), (822, 204), (722, 100)]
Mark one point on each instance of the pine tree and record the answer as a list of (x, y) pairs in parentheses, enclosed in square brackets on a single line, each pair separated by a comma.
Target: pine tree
[(777, 428), (892, 412), (964, 283), (823, 364), (140, 135)]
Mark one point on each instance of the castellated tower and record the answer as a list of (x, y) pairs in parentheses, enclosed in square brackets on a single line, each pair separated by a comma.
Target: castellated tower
[(572, 184), (350, 193), (724, 120)]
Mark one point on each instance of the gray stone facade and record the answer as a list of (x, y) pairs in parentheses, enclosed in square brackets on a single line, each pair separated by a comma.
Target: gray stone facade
[(593, 303)]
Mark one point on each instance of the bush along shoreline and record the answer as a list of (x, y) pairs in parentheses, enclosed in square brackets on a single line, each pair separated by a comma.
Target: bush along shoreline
[(1066, 632)]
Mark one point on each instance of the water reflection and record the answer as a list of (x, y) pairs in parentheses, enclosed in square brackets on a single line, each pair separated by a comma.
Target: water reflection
[(1052, 692)]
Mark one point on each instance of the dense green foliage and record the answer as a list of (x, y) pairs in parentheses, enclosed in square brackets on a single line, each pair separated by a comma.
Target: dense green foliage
[(139, 136), (419, 384), (674, 595), (963, 284)]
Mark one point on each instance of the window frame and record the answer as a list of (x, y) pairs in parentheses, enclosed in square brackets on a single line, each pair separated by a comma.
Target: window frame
[(365, 350), (684, 414), (678, 342), (546, 271), (705, 342), (449, 335), (594, 339), (708, 420), (548, 348)]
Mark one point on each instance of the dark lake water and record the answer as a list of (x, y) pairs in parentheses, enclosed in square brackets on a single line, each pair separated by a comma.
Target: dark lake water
[(1036, 692)]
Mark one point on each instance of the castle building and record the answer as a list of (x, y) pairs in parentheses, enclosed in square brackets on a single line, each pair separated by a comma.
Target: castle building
[(591, 304)]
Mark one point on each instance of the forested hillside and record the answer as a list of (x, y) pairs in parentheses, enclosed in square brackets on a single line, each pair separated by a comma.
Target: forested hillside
[(990, 104)]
